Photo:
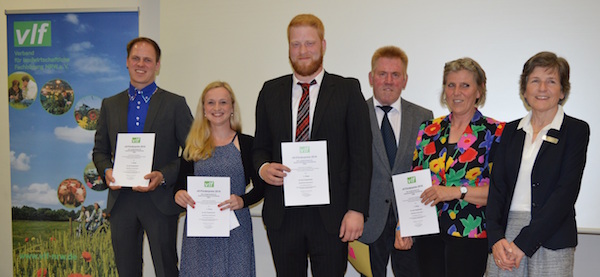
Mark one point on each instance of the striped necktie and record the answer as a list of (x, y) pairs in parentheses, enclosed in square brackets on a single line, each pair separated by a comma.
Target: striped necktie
[(303, 119)]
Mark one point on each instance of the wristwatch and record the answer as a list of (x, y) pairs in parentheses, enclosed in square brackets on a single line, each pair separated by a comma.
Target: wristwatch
[(463, 192)]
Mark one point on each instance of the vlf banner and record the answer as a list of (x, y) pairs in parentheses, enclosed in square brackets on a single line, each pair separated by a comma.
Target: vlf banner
[(60, 67)]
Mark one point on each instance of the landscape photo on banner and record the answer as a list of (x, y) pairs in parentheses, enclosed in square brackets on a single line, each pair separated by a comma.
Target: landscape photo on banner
[(60, 67)]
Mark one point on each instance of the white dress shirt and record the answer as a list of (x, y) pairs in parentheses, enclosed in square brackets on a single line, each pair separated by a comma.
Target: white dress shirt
[(297, 94), (521, 200), (394, 116)]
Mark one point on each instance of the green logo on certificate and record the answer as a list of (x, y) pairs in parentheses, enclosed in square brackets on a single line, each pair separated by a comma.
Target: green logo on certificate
[(411, 180), (136, 140), (209, 184), (304, 149)]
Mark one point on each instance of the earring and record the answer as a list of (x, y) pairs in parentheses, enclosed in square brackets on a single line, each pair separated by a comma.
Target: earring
[(231, 115)]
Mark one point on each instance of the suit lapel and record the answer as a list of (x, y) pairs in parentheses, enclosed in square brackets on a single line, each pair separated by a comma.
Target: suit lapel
[(284, 104), (378, 145), (515, 152), (325, 92), (406, 145), (123, 101), (153, 109), (547, 144)]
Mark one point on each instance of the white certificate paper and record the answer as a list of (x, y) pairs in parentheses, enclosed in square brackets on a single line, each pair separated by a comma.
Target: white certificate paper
[(133, 159), (415, 217), (308, 181), (207, 219)]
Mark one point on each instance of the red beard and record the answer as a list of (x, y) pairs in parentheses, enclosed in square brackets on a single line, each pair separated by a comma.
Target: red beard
[(307, 70)]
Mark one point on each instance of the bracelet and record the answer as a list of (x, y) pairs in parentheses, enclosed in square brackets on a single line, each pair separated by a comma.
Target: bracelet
[(397, 228)]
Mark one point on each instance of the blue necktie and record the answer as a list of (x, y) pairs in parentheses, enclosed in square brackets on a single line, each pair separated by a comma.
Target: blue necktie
[(387, 133)]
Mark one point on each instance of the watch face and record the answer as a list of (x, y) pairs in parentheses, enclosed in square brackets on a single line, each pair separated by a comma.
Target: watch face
[(463, 189)]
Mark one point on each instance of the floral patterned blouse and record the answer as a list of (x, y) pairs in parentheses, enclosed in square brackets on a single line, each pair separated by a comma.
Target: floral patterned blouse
[(466, 163)]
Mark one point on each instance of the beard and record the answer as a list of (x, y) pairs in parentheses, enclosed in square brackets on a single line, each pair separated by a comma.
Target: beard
[(307, 70)]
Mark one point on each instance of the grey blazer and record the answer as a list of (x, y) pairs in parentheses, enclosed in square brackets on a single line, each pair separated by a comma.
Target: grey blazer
[(382, 191), (169, 117)]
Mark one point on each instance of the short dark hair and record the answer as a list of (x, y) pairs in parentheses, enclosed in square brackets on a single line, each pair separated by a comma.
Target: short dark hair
[(25, 78), (147, 40), (549, 61)]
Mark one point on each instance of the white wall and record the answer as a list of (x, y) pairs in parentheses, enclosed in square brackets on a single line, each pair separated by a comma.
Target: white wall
[(244, 43)]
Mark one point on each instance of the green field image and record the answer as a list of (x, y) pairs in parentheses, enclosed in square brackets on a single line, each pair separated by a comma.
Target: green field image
[(57, 248)]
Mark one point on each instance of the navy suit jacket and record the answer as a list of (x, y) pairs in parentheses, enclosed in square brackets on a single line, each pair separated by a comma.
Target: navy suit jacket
[(169, 117), (341, 118), (555, 183)]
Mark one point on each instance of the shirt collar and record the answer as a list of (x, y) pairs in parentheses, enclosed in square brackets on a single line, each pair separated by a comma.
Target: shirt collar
[(146, 93), (318, 78), (395, 105), (476, 116), (525, 122)]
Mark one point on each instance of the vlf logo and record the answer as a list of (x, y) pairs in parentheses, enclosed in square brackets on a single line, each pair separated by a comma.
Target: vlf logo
[(32, 33)]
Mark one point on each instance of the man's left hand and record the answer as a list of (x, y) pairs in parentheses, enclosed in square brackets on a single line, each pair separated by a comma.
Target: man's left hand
[(155, 177), (352, 226)]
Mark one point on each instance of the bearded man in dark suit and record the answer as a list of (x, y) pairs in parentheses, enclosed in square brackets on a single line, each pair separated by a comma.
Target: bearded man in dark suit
[(338, 115)]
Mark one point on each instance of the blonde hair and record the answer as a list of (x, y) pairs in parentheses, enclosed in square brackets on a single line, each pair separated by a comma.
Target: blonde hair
[(472, 66), (199, 144)]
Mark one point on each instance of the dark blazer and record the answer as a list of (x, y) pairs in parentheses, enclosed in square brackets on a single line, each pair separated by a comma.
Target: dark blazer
[(341, 118), (169, 117), (253, 196), (555, 183), (382, 190)]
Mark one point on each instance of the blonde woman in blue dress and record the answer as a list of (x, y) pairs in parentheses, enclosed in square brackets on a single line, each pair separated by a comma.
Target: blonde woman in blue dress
[(215, 146)]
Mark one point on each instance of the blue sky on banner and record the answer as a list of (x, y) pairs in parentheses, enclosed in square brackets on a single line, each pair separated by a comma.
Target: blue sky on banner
[(88, 53)]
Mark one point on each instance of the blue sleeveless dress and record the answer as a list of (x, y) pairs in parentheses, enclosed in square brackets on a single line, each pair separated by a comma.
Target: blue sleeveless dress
[(232, 256)]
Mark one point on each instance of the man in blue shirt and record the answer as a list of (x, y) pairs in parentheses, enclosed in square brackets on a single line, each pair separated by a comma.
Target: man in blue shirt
[(143, 108)]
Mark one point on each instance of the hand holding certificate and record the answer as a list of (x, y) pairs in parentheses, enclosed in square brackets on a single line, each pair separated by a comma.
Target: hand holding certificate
[(206, 219), (133, 159), (308, 182), (415, 217)]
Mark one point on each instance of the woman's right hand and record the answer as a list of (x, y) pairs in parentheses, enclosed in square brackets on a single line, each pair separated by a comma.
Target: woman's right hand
[(183, 199), (503, 256)]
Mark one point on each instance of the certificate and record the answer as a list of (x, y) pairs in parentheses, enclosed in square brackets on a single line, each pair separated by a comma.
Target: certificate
[(207, 219), (133, 159), (415, 217), (308, 181)]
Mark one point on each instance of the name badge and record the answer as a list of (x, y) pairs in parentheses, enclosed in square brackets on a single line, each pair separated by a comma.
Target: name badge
[(550, 139)]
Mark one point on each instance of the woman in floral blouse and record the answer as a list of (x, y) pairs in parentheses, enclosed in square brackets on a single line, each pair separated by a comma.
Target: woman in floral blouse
[(458, 149)]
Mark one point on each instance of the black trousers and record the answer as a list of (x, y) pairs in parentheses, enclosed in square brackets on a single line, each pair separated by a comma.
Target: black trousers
[(134, 213), (301, 236), (404, 262), (444, 255)]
